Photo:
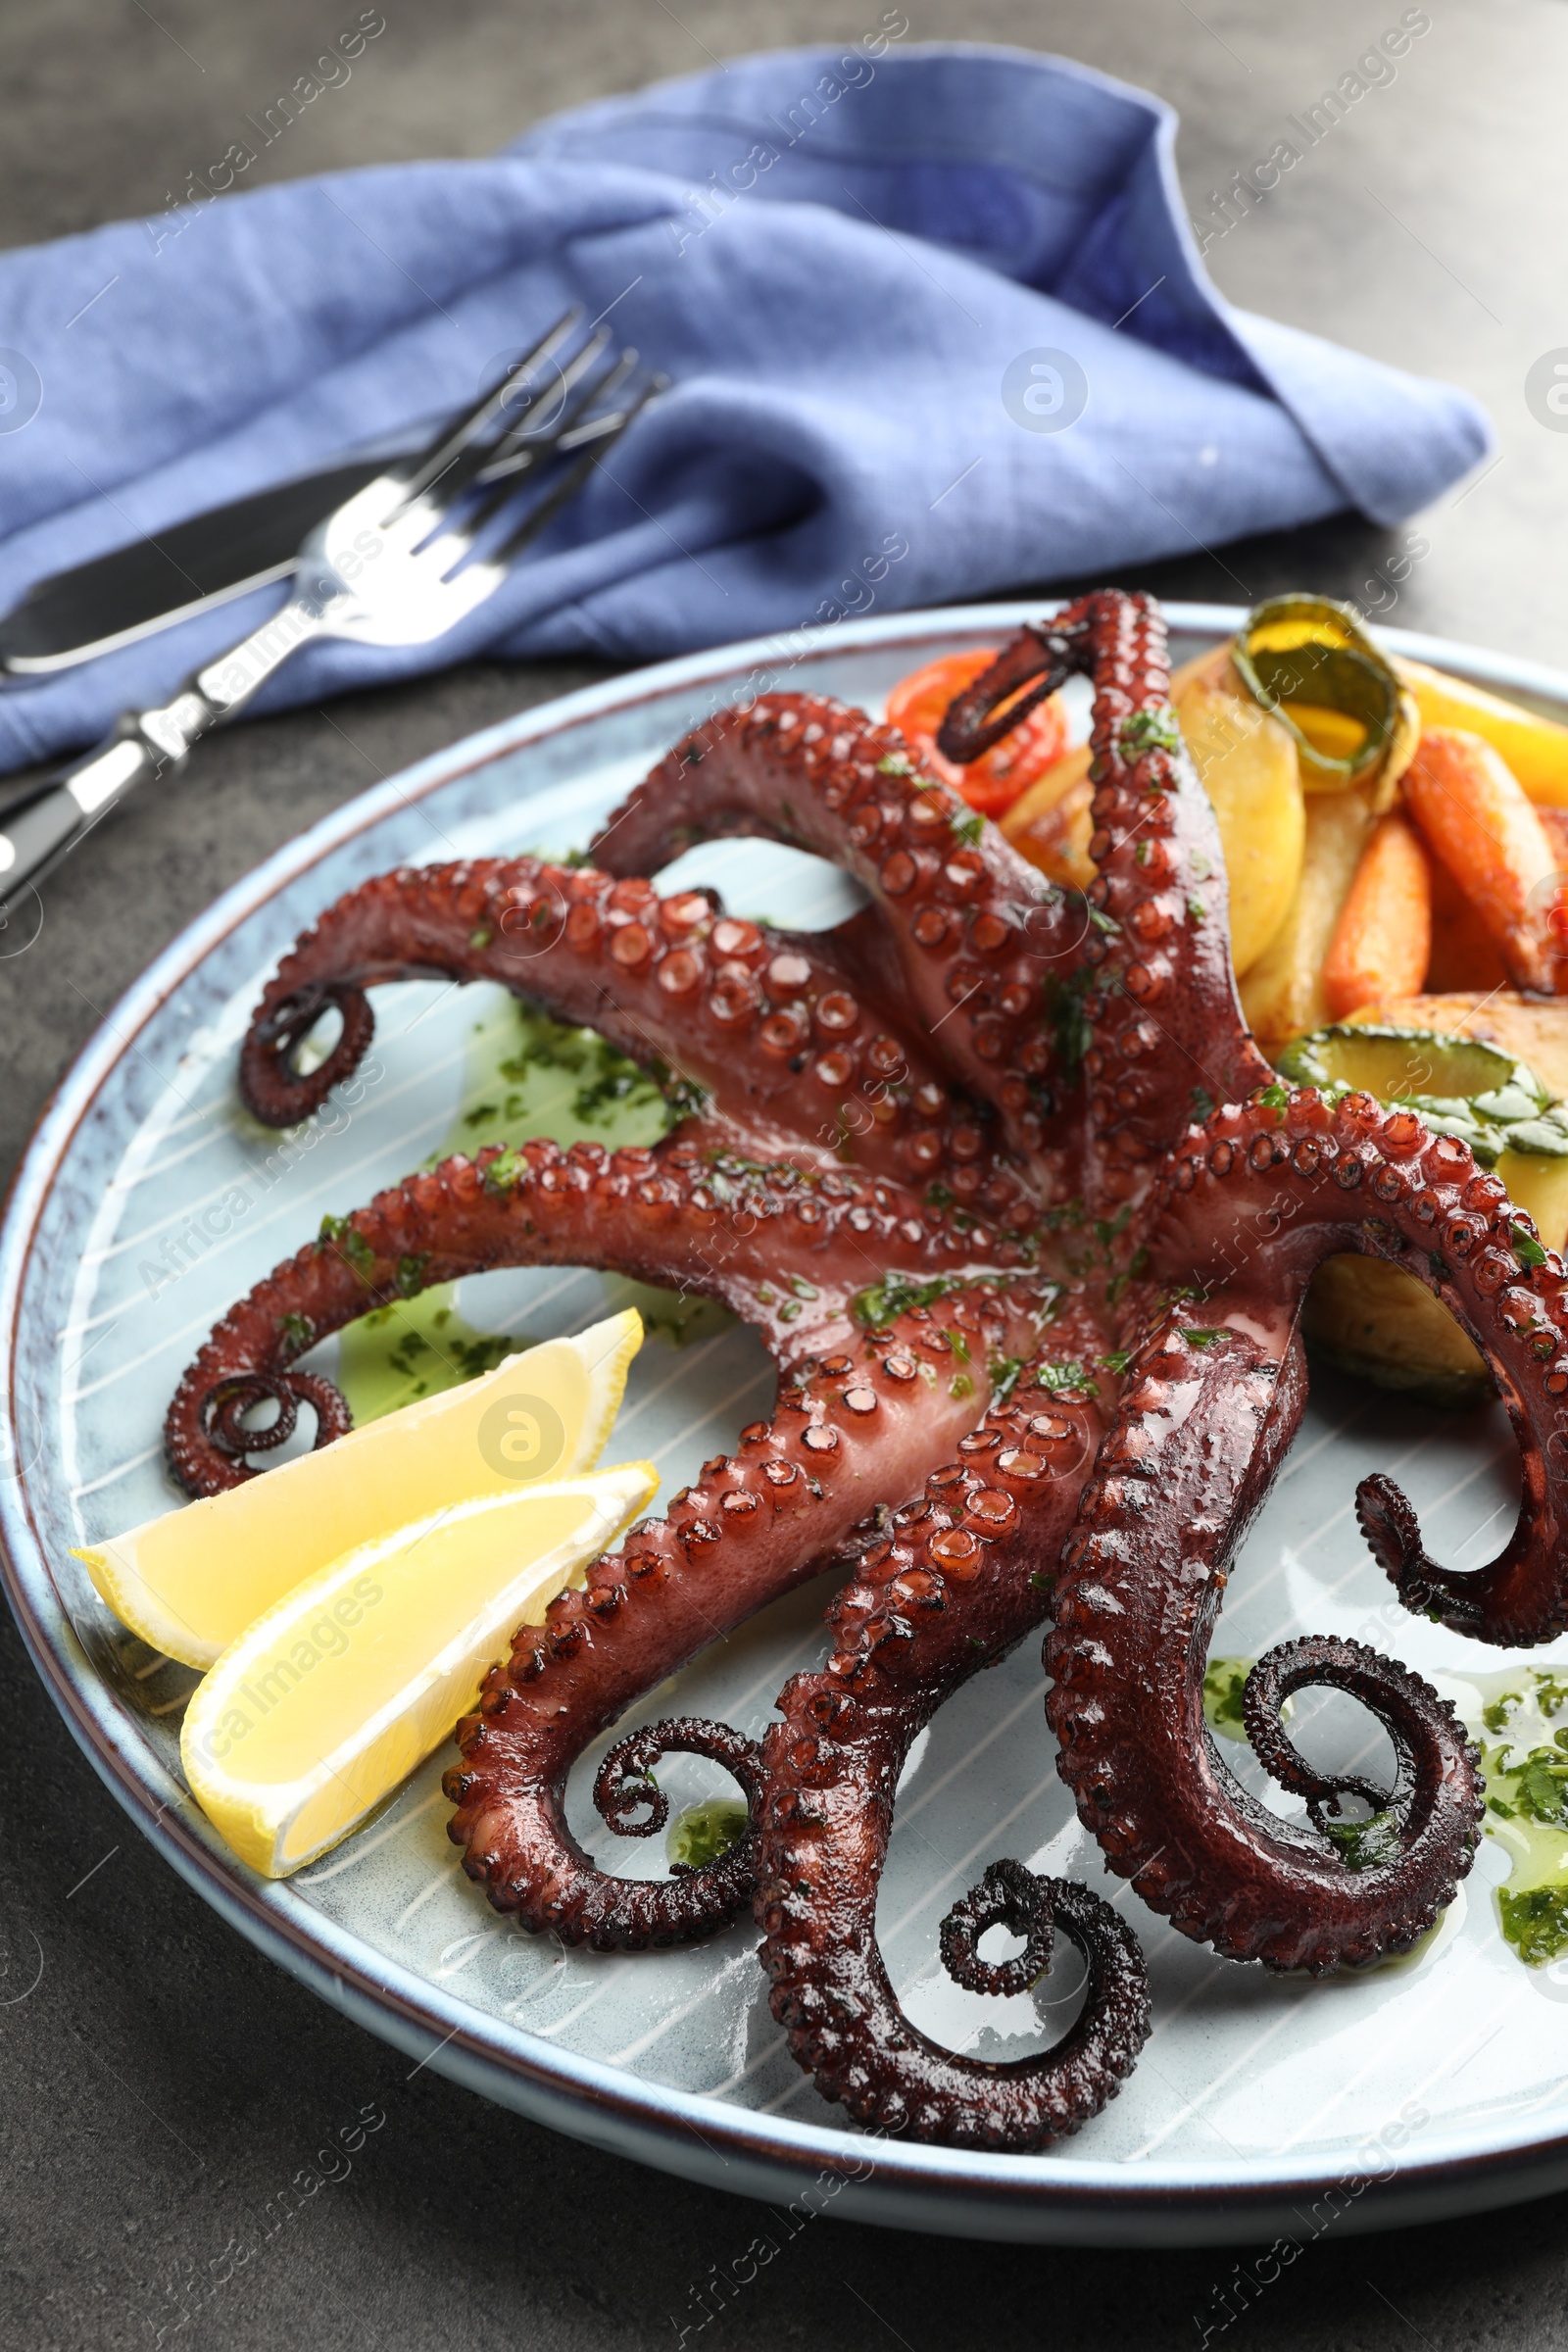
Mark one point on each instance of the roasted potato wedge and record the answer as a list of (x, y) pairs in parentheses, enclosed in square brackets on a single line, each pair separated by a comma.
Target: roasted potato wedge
[(1248, 765), (1378, 1322), (1282, 994), (1050, 822)]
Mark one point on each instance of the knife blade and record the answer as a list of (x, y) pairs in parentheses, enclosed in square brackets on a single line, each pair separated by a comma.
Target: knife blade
[(131, 592)]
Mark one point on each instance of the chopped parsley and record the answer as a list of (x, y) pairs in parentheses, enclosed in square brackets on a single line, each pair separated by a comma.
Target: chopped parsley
[(504, 1173), (1150, 731), (1535, 1921), (350, 1244), (1070, 1021), (1224, 1681), (1364, 1844), (410, 1275), (883, 1302), (704, 1833)]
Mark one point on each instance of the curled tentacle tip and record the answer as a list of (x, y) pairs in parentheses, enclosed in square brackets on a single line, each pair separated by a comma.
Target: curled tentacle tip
[(1388, 1524), (271, 1085), (1007, 1897), (207, 1447), (1393, 1536), (629, 1798)]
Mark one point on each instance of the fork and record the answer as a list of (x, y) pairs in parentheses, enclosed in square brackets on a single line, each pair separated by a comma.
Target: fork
[(398, 564)]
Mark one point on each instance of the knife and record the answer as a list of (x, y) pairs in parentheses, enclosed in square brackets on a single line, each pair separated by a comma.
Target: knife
[(133, 591)]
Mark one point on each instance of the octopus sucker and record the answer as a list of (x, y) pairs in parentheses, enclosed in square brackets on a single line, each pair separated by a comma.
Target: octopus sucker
[(768, 1035), (755, 1523), (1259, 1196), (1035, 1316), (791, 1251), (1204, 1423), (962, 1575)]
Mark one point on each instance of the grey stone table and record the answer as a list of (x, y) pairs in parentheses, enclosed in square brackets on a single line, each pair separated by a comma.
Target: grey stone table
[(162, 2082)]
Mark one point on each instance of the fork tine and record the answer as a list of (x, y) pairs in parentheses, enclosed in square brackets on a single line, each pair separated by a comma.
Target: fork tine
[(527, 432), (604, 432), (458, 432), (569, 376), (610, 381), (518, 450), (503, 477)]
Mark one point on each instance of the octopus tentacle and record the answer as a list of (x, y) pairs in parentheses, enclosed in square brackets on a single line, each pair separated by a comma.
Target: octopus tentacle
[(1403, 1700), (271, 1087), (981, 938), (1258, 1197), (1165, 1026), (1027, 1062), (959, 1577), (791, 1043), (757, 1523), (1202, 1425), (789, 1250), (229, 1401), (625, 1793), (1007, 1897), (1040, 659)]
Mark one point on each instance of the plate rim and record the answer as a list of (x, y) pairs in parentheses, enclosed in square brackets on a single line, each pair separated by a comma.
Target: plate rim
[(1064, 2198)]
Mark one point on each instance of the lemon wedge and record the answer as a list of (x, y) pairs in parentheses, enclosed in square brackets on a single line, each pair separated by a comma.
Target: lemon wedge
[(190, 1582), (340, 1690)]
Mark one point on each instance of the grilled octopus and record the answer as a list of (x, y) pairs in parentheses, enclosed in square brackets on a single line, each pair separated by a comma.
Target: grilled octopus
[(1026, 1221)]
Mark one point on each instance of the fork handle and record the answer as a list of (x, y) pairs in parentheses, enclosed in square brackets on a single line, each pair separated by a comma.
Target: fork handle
[(36, 834), (145, 743)]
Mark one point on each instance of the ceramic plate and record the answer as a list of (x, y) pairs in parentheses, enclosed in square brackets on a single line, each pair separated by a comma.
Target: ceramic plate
[(1262, 2106)]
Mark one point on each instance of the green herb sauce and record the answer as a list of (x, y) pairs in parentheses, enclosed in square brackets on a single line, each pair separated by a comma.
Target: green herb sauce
[(411, 1348), (703, 1832), (525, 1077), (1520, 1719)]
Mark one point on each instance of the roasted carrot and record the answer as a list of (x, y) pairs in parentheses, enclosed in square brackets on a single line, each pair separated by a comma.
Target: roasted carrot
[(1464, 954), (1555, 824), (1383, 940), (1475, 817), (1535, 749)]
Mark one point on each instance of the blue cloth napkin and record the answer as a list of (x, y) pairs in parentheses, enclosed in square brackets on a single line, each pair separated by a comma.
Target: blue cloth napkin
[(934, 317)]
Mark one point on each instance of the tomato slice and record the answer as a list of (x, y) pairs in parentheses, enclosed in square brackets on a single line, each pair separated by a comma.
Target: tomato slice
[(919, 704)]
